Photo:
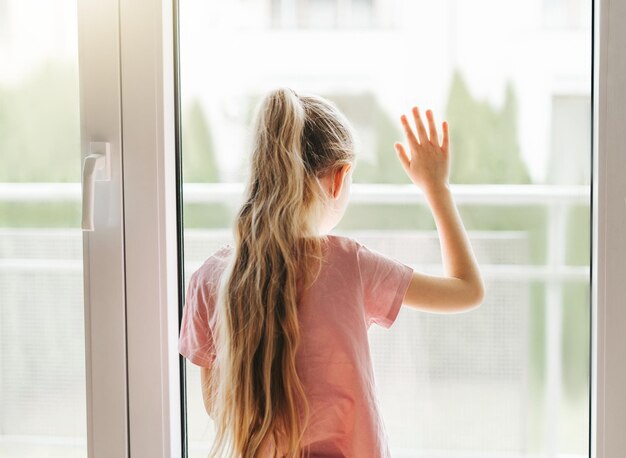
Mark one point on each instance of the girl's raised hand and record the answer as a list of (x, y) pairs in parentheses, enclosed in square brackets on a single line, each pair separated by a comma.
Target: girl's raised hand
[(428, 164)]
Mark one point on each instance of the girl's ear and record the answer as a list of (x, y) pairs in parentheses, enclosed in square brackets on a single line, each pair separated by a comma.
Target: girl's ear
[(339, 178)]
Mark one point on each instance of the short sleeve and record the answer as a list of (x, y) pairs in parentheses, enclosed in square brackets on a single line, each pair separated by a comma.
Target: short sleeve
[(384, 282), (195, 340)]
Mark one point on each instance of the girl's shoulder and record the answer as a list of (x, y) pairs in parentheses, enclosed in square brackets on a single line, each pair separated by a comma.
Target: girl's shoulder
[(343, 243), (210, 270), (222, 253)]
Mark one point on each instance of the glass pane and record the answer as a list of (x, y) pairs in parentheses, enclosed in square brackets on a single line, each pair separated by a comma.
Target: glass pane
[(510, 378), (42, 351)]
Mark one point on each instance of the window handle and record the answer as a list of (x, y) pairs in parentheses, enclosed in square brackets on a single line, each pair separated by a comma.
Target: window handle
[(96, 167)]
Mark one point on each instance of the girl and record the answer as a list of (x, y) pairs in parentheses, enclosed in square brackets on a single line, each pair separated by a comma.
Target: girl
[(278, 322)]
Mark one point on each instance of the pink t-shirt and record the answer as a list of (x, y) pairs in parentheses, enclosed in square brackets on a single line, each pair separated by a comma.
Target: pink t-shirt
[(356, 287)]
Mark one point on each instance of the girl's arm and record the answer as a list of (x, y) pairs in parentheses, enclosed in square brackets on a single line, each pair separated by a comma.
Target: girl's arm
[(428, 166)]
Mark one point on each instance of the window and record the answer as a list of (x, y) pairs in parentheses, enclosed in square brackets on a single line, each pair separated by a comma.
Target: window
[(42, 336), (527, 212), (511, 377)]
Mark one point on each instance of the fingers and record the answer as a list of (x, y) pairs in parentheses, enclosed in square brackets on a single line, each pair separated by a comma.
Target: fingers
[(446, 138), (434, 138), (422, 134), (421, 130), (408, 131), (404, 158)]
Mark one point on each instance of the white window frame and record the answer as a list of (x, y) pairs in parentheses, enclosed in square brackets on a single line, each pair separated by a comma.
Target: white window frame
[(126, 71), (103, 249), (150, 225), (131, 278), (608, 366)]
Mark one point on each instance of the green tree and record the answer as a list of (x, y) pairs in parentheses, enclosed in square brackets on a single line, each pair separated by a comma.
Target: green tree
[(39, 126), (484, 139), (40, 142), (200, 166), (374, 126), (199, 162)]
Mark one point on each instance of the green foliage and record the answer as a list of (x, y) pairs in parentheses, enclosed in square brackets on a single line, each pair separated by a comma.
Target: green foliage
[(578, 235), (200, 166), (416, 217), (207, 216), (199, 162), (374, 125), (39, 126), (483, 139), (40, 214)]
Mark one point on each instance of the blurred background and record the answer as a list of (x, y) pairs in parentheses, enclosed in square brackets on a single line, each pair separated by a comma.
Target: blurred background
[(512, 79)]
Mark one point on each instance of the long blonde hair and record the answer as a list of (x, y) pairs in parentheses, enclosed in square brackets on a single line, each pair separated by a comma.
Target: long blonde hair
[(258, 399)]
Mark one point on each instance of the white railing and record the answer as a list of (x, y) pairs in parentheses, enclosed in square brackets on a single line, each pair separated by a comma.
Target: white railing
[(555, 198), (361, 193)]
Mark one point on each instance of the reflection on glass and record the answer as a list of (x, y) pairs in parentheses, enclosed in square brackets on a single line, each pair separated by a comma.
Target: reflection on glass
[(510, 379), (42, 354)]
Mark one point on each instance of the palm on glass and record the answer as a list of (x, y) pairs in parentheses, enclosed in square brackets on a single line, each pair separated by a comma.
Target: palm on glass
[(428, 160)]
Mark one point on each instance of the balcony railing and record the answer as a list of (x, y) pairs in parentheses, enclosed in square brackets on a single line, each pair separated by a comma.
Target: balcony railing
[(553, 273), (363, 193)]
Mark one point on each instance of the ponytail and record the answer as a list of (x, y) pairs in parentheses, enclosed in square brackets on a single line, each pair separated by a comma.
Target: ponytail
[(260, 402)]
